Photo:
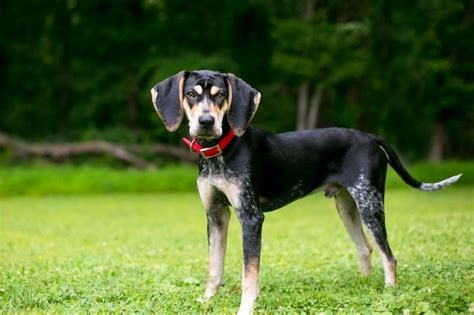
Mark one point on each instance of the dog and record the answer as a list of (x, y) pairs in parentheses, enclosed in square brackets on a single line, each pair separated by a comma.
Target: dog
[(255, 171)]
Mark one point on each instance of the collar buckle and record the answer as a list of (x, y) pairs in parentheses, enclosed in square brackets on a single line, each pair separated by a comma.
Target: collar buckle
[(204, 150)]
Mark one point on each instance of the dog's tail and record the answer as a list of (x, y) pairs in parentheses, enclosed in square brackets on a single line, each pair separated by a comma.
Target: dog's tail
[(397, 165)]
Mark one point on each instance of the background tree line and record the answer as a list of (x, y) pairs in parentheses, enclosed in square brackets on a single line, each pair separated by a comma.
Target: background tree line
[(82, 69)]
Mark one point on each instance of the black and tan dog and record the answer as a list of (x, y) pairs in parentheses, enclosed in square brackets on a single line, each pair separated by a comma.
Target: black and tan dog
[(256, 171)]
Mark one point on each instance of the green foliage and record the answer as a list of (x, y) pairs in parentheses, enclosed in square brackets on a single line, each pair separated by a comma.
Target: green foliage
[(319, 51), (148, 254), (74, 68)]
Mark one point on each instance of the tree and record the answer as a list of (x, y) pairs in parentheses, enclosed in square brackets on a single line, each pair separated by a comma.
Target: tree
[(419, 57), (81, 70), (318, 53)]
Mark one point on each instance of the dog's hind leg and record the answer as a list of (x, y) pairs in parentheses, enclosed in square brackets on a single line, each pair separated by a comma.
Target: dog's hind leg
[(347, 210), (369, 200)]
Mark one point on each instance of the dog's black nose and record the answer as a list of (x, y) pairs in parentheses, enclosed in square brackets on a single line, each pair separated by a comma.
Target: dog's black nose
[(206, 120)]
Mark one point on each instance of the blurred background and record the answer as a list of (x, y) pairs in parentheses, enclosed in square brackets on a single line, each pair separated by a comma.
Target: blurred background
[(78, 71), (99, 211)]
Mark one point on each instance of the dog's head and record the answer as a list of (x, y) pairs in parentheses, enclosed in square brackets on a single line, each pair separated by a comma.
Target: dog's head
[(207, 98)]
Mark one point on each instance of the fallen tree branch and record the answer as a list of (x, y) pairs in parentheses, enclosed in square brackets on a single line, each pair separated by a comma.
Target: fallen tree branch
[(64, 150), (167, 150)]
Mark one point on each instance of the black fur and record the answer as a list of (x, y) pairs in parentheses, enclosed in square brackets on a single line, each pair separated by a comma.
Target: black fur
[(242, 105), (167, 100)]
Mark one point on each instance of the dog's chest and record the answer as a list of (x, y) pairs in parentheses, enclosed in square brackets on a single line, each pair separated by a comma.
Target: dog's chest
[(214, 180)]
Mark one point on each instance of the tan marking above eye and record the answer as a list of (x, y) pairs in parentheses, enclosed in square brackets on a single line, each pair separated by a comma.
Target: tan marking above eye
[(214, 90), (198, 89)]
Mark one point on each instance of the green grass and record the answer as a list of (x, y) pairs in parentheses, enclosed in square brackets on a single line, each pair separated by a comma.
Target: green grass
[(147, 253), (47, 180)]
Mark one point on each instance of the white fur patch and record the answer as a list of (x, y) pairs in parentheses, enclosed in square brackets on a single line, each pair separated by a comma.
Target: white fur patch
[(440, 185), (230, 188), (198, 89), (256, 98), (154, 94), (214, 90)]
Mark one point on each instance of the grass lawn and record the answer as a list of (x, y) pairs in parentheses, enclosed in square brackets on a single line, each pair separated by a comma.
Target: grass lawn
[(148, 253), (43, 179)]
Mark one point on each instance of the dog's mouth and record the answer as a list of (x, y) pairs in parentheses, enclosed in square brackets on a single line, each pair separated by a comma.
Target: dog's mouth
[(207, 134)]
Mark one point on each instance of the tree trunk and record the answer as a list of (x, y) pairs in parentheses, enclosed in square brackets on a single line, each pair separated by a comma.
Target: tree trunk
[(308, 115), (62, 29), (438, 143), (303, 92), (314, 108), (58, 151), (309, 7), (132, 101)]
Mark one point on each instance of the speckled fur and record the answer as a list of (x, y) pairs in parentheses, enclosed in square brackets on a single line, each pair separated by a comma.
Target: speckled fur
[(370, 204), (224, 182), (369, 201)]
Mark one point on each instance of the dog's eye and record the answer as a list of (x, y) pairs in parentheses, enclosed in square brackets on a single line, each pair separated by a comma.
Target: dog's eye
[(219, 96), (191, 94)]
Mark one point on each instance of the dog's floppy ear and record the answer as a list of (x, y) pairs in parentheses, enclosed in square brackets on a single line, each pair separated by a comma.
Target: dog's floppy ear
[(167, 97), (243, 103)]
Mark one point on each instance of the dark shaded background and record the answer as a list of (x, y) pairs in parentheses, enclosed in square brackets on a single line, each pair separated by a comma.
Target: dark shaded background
[(75, 70)]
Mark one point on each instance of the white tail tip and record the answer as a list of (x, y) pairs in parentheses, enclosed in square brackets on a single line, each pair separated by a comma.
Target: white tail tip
[(440, 185)]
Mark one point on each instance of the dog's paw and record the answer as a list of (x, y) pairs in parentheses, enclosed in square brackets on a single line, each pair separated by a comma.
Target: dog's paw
[(203, 299)]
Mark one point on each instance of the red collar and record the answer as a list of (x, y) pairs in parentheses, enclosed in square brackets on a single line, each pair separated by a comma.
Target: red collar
[(211, 151)]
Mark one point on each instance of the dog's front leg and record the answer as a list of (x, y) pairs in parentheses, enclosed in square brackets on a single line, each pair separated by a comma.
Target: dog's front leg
[(218, 216), (217, 226), (251, 219)]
